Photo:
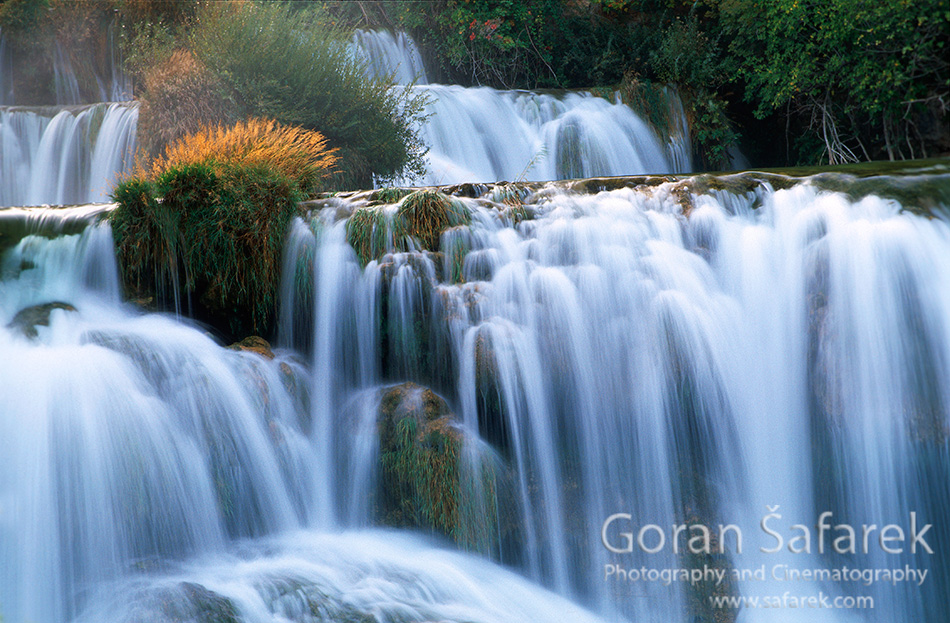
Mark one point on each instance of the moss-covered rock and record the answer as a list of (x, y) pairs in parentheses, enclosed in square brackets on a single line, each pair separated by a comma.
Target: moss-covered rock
[(419, 459), (26, 320)]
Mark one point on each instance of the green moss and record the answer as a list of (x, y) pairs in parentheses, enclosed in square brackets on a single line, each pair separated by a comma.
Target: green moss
[(650, 101)]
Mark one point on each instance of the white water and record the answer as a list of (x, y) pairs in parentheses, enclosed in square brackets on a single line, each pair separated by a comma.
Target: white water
[(141, 458), (71, 155), (486, 135), (387, 55), (610, 354), (625, 360)]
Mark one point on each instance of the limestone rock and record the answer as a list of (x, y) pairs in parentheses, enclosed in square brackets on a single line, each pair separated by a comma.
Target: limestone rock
[(254, 344), (28, 319)]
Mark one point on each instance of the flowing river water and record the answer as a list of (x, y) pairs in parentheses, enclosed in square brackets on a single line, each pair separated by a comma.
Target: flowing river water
[(750, 358)]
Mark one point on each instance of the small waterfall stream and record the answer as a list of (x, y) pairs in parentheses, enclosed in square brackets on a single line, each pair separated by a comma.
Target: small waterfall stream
[(71, 155), (486, 135)]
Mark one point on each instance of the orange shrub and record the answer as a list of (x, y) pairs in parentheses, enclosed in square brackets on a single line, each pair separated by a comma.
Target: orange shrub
[(300, 154)]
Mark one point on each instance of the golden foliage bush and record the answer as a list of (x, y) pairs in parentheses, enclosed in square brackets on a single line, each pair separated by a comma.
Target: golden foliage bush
[(206, 221), (300, 154)]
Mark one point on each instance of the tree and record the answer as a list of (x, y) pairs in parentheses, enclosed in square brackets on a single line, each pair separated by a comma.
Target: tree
[(869, 76)]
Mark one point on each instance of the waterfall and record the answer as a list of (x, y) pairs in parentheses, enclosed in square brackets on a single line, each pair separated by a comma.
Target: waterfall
[(150, 474), (485, 135), (64, 155), (386, 55), (674, 354), (784, 351), (698, 359)]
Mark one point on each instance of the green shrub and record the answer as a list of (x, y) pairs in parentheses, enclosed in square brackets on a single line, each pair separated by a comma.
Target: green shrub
[(293, 66), (216, 234), (21, 16)]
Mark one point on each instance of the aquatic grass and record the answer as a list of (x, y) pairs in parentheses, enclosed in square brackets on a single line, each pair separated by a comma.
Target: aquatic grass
[(367, 231), (426, 478), (458, 247), (146, 235), (418, 224), (425, 214), (390, 195), (300, 154)]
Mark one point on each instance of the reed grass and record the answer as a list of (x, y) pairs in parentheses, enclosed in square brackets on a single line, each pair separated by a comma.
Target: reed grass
[(425, 214), (227, 195), (302, 155)]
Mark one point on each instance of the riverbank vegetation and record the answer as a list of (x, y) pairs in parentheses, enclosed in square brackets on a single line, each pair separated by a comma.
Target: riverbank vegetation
[(802, 82), (791, 81), (198, 63), (204, 224)]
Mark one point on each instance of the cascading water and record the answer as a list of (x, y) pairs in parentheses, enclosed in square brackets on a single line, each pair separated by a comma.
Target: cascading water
[(150, 474), (486, 135), (54, 155), (603, 354), (789, 357), (676, 358), (387, 55)]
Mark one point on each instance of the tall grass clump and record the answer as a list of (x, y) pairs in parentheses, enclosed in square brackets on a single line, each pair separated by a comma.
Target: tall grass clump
[(367, 232), (205, 223), (294, 66), (425, 214), (302, 155), (420, 219)]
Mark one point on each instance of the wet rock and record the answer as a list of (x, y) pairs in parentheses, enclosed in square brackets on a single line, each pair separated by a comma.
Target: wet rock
[(254, 344), (291, 595), (193, 603), (28, 319)]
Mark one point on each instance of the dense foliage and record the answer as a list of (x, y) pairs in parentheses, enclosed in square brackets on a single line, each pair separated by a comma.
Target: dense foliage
[(198, 63), (803, 81), (841, 79), (205, 224), (869, 78), (295, 66)]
